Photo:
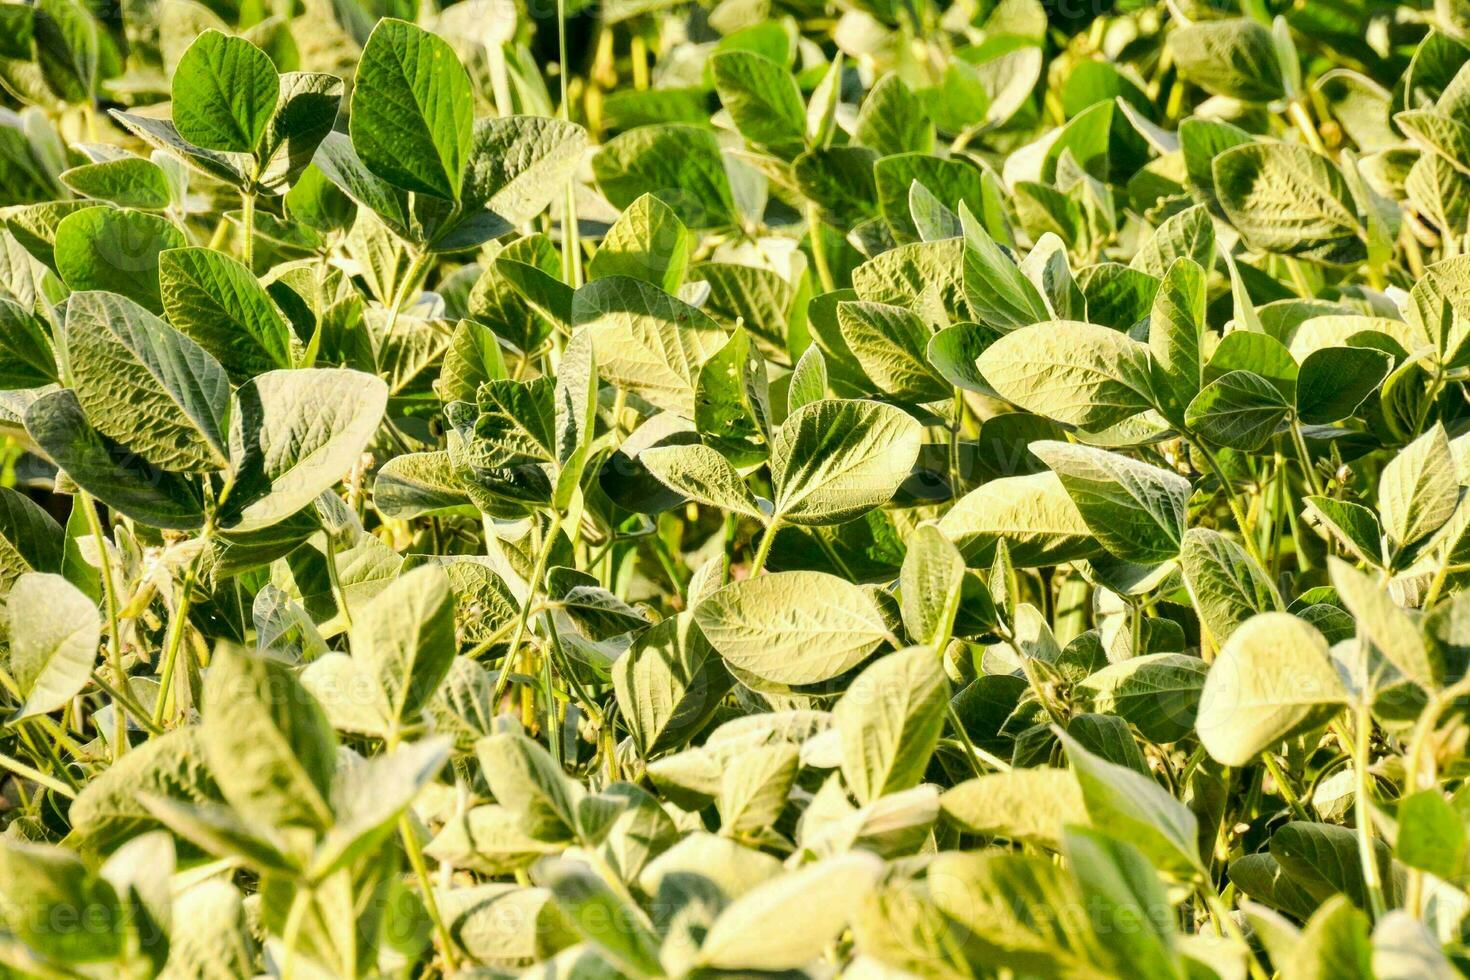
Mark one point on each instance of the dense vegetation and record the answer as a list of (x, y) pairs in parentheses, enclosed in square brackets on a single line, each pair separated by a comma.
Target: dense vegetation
[(868, 489)]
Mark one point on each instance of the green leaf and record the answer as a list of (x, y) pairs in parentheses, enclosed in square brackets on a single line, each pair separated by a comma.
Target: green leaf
[(405, 641), (992, 895), (1034, 515), (762, 99), (893, 120), (1225, 584), (1272, 678), (648, 242), (1135, 809), (1137, 511), (268, 744), (646, 340), (792, 627), (1419, 490), (930, 586), (1335, 381), (526, 780), (589, 903), (294, 434), (669, 683), (891, 346), (1030, 805), (128, 182), (1290, 200), (787, 922), (109, 470), (1432, 835), (51, 655), (808, 382), (1239, 410), (42, 887), (519, 164), (1076, 373), (305, 112), (952, 182), (30, 539), (1175, 334), (103, 248), (1157, 693), (1234, 58), (144, 383), (1190, 234), (1389, 628), (220, 305), (1118, 882), (833, 461), (1000, 295), (25, 343), (889, 722), (1354, 526), (224, 93), (680, 165), (412, 110), (703, 475)]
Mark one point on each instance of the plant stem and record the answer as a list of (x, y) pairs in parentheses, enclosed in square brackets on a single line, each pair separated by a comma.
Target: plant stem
[(109, 592), (973, 754), (538, 572), (1288, 793), (758, 564), (335, 578), (1221, 914), (36, 776), (1303, 121), (639, 58), (247, 230), (431, 904), (819, 249), (417, 267), (177, 624), (1358, 744), (956, 476), (1305, 458), (1234, 502), (126, 703), (571, 238)]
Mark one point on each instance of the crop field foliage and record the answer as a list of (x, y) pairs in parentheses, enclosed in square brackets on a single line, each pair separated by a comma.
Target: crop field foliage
[(858, 489)]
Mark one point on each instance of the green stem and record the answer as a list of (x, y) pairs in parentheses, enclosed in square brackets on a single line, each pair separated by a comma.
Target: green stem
[(1299, 442), (177, 624), (45, 748), (1223, 919), (334, 577), (819, 250), (36, 776), (295, 919), (571, 237), (1232, 500), (109, 593), (538, 572), (1358, 743), (417, 268), (956, 432), (1288, 793), (125, 702), (247, 230), (758, 564), (1303, 121), (431, 904), (973, 754)]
